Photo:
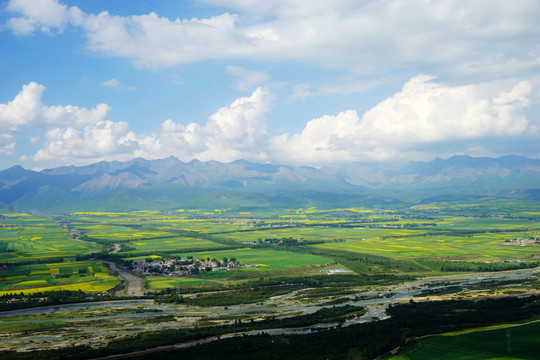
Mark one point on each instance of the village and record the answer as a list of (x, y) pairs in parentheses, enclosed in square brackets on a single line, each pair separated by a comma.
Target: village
[(275, 241), (183, 267), (522, 242)]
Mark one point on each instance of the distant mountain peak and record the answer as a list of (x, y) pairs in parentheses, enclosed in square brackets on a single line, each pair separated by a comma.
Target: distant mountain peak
[(474, 174), (15, 172)]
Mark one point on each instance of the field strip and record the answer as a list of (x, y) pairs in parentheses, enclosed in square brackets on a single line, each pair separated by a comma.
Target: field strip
[(487, 328)]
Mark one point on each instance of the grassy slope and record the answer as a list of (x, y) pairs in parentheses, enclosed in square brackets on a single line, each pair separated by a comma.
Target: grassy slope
[(488, 344)]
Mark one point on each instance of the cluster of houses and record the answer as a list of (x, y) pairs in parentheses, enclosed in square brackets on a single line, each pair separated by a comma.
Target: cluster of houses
[(182, 267), (522, 242), (334, 271), (279, 241), (505, 261)]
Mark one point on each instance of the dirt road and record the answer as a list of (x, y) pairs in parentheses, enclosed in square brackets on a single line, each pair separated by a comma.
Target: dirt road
[(134, 284)]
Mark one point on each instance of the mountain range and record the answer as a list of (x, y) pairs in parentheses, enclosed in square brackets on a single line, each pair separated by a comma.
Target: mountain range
[(169, 182)]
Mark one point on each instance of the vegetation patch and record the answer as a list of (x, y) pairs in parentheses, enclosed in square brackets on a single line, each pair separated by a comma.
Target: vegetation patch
[(508, 342)]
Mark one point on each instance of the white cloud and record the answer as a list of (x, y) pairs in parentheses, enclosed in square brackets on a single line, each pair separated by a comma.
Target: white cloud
[(43, 15), (425, 111), (233, 132), (91, 143), (113, 83), (22, 25), (72, 132), (69, 115), (26, 109), (323, 140), (412, 122), (345, 87), (424, 119), (285, 8), (7, 144), (23, 109), (117, 85), (247, 79), (451, 39), (242, 124), (81, 136), (157, 42)]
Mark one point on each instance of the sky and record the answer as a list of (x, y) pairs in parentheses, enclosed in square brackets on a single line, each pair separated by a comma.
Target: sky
[(294, 82)]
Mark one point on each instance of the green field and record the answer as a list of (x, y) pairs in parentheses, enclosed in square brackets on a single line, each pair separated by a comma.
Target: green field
[(267, 259), (161, 282), (488, 344), (88, 276), (475, 248), (119, 233), (467, 231), (437, 230), (463, 231), (284, 256), (175, 243), (26, 238), (269, 262)]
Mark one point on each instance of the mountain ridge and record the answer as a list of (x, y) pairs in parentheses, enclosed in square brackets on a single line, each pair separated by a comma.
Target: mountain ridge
[(106, 180)]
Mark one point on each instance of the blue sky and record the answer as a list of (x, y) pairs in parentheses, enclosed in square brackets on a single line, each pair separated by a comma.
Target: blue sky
[(298, 82)]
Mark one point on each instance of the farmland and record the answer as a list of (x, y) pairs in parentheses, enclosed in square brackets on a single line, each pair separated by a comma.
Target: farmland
[(41, 257), (480, 344), (377, 257), (119, 233), (26, 238), (87, 276), (292, 241), (262, 263), (172, 243)]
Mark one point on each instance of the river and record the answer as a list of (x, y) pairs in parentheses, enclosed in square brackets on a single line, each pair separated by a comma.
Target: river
[(375, 300)]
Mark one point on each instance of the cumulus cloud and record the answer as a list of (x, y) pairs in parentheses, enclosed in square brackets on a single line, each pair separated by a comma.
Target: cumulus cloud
[(424, 119), (425, 111), (91, 143), (79, 135), (233, 132), (27, 109), (23, 109), (43, 15), (69, 129), (449, 38), (411, 123)]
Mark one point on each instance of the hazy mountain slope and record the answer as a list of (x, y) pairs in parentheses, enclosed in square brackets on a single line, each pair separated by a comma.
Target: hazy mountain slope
[(17, 182), (170, 182), (495, 173)]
